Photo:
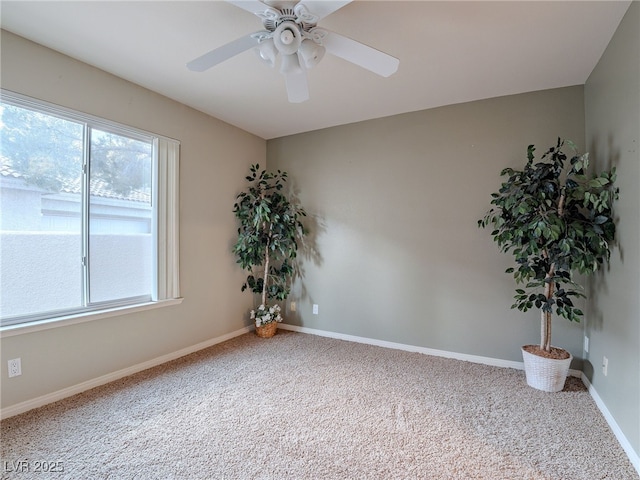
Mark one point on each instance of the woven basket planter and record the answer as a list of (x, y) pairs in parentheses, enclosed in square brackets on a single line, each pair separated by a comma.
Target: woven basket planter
[(268, 330), (546, 374)]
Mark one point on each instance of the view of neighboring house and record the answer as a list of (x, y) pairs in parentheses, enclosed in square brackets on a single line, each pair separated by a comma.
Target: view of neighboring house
[(36, 223)]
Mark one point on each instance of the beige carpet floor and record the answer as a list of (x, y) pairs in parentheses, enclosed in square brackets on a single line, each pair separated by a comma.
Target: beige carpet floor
[(299, 406)]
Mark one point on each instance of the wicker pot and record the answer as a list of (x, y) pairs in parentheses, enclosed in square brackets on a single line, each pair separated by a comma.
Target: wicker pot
[(546, 374), (268, 330)]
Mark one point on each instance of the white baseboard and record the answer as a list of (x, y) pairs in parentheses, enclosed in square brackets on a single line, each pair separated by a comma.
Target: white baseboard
[(110, 377), (496, 362), (634, 457)]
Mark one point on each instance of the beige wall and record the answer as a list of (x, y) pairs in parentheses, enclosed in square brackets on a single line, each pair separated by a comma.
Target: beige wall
[(394, 205), (612, 98), (214, 160)]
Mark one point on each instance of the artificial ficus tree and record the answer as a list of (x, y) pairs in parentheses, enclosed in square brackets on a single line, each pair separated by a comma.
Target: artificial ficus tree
[(556, 221), (268, 236)]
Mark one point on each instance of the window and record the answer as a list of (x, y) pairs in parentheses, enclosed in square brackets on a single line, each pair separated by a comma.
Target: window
[(88, 213)]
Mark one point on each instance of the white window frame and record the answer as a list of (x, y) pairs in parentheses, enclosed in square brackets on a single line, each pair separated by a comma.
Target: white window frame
[(165, 221)]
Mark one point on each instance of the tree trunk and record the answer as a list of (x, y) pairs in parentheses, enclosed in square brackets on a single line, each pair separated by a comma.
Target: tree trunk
[(543, 329), (545, 317), (549, 288), (266, 255), (546, 328), (266, 274)]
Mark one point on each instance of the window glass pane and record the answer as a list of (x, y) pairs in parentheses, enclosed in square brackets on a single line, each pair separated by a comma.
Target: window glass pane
[(40, 212), (78, 221), (120, 213)]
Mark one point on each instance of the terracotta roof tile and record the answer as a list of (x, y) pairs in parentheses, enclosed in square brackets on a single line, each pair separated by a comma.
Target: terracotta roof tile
[(99, 188)]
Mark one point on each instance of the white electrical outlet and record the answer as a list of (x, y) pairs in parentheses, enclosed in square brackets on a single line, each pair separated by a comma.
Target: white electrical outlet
[(15, 367), (315, 309), (292, 306), (586, 344), (605, 365)]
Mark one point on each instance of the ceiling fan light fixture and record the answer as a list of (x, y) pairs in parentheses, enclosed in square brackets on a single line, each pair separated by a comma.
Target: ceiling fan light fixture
[(290, 64), (290, 29), (287, 38), (267, 52), (311, 53)]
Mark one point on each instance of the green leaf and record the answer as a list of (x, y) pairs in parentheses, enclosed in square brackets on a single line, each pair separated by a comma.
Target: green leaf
[(267, 224), (527, 223)]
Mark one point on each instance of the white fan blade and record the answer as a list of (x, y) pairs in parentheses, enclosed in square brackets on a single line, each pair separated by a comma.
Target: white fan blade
[(225, 52), (297, 86), (360, 54), (322, 8), (256, 7)]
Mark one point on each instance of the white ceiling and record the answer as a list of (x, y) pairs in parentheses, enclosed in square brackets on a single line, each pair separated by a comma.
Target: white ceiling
[(450, 52)]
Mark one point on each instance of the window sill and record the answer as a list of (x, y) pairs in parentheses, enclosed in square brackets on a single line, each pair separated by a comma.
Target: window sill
[(30, 327)]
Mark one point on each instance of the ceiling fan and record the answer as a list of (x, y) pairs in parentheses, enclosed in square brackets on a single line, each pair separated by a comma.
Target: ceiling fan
[(291, 32)]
